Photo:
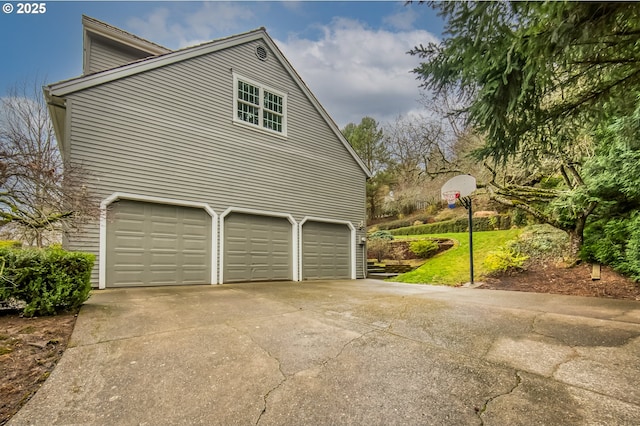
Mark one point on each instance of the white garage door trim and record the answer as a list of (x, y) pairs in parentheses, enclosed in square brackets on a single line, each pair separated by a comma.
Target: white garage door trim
[(102, 259), (352, 229), (294, 236)]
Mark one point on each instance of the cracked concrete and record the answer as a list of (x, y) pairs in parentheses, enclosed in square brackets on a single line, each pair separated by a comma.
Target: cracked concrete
[(481, 410), (344, 352)]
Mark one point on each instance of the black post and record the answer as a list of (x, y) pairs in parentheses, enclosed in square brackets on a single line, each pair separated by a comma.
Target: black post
[(466, 202)]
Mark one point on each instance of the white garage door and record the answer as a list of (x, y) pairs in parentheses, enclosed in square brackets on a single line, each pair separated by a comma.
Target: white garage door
[(257, 248), (326, 251), (151, 244)]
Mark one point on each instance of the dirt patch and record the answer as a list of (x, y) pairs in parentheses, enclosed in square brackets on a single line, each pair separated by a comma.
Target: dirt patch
[(576, 281), (29, 350)]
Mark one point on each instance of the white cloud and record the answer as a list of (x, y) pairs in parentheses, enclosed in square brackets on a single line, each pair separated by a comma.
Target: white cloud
[(356, 71), (353, 69), (403, 20), (211, 20)]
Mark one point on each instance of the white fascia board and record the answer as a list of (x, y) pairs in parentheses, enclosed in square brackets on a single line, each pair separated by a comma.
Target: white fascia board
[(294, 236), (353, 236), (102, 263), (66, 87), (105, 30), (58, 114)]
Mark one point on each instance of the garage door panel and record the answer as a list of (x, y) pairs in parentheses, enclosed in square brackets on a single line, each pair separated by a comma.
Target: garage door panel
[(326, 251), (128, 278), (129, 241), (147, 245), (130, 225), (163, 261), (161, 242), (192, 230), (257, 248)]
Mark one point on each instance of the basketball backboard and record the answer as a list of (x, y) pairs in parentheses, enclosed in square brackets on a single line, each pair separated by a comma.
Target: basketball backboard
[(464, 185)]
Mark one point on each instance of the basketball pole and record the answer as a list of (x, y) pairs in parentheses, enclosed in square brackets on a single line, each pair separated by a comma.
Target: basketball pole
[(466, 202)]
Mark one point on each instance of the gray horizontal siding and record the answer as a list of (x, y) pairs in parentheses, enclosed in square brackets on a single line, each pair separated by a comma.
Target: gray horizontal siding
[(104, 55), (169, 133)]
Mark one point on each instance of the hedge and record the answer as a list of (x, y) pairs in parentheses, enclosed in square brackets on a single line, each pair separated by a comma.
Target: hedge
[(492, 223), (399, 223), (48, 281)]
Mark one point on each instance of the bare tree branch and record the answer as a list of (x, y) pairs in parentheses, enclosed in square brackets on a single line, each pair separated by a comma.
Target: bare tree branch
[(40, 195)]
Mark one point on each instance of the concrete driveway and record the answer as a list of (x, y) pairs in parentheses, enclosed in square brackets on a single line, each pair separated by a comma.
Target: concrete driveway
[(344, 352)]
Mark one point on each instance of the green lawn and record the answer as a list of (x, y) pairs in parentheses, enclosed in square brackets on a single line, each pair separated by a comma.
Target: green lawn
[(452, 266)]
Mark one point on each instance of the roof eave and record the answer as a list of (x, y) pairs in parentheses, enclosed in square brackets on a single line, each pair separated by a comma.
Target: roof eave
[(67, 87), (80, 83), (105, 30), (57, 111)]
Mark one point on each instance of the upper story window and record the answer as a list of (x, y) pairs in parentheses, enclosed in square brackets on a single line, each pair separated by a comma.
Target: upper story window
[(259, 105)]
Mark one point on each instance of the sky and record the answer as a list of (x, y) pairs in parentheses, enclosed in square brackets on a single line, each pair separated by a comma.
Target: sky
[(352, 55)]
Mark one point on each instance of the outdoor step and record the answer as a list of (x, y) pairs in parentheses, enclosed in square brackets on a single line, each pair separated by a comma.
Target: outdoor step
[(399, 269), (382, 275)]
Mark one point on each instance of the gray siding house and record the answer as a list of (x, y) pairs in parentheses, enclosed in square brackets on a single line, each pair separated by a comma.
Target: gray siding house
[(210, 164)]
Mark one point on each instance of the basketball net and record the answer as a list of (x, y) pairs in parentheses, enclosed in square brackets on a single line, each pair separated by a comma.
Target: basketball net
[(451, 197)]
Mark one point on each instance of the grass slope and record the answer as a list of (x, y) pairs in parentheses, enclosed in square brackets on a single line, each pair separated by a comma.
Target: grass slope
[(452, 266)]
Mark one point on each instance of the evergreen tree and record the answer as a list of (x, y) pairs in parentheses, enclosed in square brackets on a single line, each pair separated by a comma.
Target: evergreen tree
[(537, 80)]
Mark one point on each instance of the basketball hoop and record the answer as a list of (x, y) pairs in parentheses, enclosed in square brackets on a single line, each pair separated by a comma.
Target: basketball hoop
[(451, 197), (460, 188)]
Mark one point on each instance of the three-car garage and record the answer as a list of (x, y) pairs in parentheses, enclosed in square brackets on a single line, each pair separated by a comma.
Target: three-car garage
[(151, 242)]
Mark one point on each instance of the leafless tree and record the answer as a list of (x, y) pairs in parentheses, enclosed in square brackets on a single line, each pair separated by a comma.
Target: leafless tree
[(40, 195)]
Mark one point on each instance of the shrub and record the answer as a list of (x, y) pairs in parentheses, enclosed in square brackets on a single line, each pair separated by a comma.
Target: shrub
[(615, 242), (379, 248), (542, 242), (519, 218), (400, 223), (10, 243), (504, 259), (457, 225), (424, 248), (380, 235), (48, 281)]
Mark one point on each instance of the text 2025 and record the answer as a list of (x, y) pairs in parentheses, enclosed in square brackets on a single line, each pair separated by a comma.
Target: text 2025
[(31, 8)]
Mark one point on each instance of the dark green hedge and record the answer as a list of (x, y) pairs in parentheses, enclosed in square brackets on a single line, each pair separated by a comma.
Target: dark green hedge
[(399, 223), (48, 281), (615, 242), (457, 225)]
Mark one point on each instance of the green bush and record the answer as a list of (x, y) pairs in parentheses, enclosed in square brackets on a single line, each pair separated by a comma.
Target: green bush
[(10, 243), (504, 259), (380, 235), (48, 281), (615, 242), (423, 248), (408, 221), (542, 242), (501, 222)]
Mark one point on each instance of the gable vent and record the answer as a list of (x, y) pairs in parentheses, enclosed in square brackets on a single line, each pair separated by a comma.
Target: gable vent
[(261, 53)]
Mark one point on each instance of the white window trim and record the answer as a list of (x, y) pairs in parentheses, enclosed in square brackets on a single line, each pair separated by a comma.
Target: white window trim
[(262, 88)]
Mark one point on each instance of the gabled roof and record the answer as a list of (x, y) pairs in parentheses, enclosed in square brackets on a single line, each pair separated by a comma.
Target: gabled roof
[(93, 26), (57, 91)]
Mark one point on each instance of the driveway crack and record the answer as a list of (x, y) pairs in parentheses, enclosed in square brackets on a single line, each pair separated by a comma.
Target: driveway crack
[(283, 379), (481, 410), (333, 358)]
